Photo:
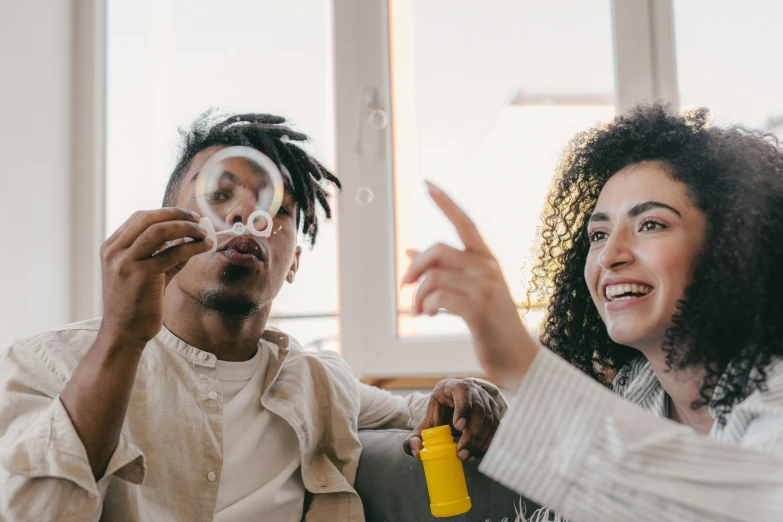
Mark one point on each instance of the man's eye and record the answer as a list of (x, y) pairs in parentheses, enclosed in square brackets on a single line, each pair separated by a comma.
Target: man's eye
[(217, 196)]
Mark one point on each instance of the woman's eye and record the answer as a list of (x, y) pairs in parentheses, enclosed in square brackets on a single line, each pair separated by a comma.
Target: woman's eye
[(597, 235), (284, 210), (651, 224)]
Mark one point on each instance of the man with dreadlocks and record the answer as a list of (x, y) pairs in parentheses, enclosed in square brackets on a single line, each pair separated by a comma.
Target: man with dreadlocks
[(179, 404)]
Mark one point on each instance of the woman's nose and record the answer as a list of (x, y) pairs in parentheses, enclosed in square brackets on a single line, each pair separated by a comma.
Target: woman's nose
[(616, 252)]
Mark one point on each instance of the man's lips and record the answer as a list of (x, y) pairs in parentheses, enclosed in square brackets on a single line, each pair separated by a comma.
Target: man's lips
[(244, 251)]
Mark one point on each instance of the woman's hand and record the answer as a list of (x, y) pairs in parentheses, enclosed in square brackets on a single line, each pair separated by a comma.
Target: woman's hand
[(470, 283)]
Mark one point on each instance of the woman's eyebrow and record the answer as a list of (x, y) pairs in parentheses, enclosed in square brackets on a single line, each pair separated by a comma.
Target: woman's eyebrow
[(641, 208)]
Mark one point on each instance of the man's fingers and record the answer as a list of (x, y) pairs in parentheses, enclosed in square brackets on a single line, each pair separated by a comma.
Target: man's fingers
[(463, 404), (413, 444), (177, 256), (487, 428), (472, 436), (137, 225), (151, 240), (495, 424), (468, 233), (437, 414), (117, 233)]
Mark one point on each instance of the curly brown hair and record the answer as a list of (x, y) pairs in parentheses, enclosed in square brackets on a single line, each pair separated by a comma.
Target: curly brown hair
[(729, 318)]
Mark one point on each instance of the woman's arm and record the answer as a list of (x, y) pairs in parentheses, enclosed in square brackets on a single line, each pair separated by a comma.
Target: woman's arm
[(570, 444)]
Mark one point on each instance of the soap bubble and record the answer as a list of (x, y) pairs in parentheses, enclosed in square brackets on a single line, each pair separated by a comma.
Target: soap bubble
[(241, 189), (364, 196)]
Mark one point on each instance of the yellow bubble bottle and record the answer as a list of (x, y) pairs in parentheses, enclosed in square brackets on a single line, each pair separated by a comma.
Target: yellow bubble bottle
[(444, 473)]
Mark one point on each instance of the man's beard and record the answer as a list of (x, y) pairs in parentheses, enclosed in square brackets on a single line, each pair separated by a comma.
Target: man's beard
[(227, 302), (238, 306)]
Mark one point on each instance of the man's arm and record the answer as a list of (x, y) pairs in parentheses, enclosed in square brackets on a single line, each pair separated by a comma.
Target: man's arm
[(135, 273), (381, 409), (601, 458), (47, 439), (45, 473), (473, 406)]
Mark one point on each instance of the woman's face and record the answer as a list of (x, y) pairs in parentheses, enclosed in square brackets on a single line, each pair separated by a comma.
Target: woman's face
[(645, 235)]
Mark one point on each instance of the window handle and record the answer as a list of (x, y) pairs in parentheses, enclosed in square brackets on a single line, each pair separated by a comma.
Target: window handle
[(371, 112)]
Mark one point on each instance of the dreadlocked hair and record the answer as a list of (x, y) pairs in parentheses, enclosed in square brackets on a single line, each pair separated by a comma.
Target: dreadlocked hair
[(270, 135), (728, 320)]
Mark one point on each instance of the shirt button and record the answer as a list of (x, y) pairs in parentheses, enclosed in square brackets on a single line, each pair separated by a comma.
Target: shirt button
[(213, 395), (211, 476), (202, 356)]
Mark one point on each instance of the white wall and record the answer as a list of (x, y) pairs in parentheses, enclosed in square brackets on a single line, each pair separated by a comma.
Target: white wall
[(35, 121)]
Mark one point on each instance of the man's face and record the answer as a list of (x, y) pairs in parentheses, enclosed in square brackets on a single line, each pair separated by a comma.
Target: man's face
[(229, 280)]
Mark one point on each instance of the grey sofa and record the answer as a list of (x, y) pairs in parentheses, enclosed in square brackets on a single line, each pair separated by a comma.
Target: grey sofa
[(393, 489)]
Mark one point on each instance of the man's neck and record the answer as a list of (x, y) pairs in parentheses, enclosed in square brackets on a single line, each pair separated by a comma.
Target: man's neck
[(682, 387), (228, 337)]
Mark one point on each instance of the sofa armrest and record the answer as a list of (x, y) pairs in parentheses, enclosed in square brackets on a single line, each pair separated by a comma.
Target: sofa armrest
[(393, 489)]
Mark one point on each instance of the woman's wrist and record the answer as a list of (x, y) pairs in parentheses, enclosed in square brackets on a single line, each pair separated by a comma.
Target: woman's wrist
[(510, 374)]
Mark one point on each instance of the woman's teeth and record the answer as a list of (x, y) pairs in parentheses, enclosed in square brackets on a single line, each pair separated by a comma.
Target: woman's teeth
[(626, 292)]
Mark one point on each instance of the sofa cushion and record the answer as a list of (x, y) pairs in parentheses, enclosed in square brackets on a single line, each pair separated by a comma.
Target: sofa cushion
[(393, 489)]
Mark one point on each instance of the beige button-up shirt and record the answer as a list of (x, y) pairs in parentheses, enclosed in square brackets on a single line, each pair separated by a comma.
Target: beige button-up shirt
[(169, 459)]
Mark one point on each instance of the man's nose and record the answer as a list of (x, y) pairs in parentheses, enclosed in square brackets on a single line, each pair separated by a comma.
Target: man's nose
[(243, 204)]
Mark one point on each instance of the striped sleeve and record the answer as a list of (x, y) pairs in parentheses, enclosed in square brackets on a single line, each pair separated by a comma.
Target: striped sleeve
[(572, 445)]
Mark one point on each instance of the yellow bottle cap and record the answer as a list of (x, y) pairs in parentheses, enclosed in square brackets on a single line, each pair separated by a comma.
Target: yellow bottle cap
[(437, 431)]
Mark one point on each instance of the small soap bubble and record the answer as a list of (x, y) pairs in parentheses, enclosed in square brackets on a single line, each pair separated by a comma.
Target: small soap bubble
[(364, 196), (260, 222)]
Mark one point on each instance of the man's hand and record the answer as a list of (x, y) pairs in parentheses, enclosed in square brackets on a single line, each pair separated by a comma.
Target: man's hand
[(136, 269), (137, 261), (470, 411)]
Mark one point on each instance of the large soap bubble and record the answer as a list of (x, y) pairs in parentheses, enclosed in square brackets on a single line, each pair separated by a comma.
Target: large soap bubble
[(239, 190)]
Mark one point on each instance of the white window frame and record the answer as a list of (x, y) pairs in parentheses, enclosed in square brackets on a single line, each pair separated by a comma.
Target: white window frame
[(645, 70), (88, 157)]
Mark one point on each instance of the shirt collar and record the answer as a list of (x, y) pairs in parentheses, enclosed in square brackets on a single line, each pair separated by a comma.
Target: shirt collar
[(277, 341)]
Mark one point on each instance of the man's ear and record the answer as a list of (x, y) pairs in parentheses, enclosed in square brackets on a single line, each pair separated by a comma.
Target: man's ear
[(294, 266)]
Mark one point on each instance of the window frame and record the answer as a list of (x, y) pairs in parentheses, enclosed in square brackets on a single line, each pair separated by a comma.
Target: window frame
[(645, 70)]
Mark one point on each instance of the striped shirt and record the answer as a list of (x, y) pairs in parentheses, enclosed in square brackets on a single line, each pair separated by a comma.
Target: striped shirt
[(591, 455)]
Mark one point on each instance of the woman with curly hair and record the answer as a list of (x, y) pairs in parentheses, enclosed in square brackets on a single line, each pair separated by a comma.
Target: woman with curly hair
[(662, 265)]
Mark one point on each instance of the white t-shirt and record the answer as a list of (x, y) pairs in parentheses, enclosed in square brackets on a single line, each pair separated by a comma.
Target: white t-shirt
[(262, 478)]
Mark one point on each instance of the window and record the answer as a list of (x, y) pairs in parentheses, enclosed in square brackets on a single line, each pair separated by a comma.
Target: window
[(484, 101), (480, 98), (728, 59), (167, 62)]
